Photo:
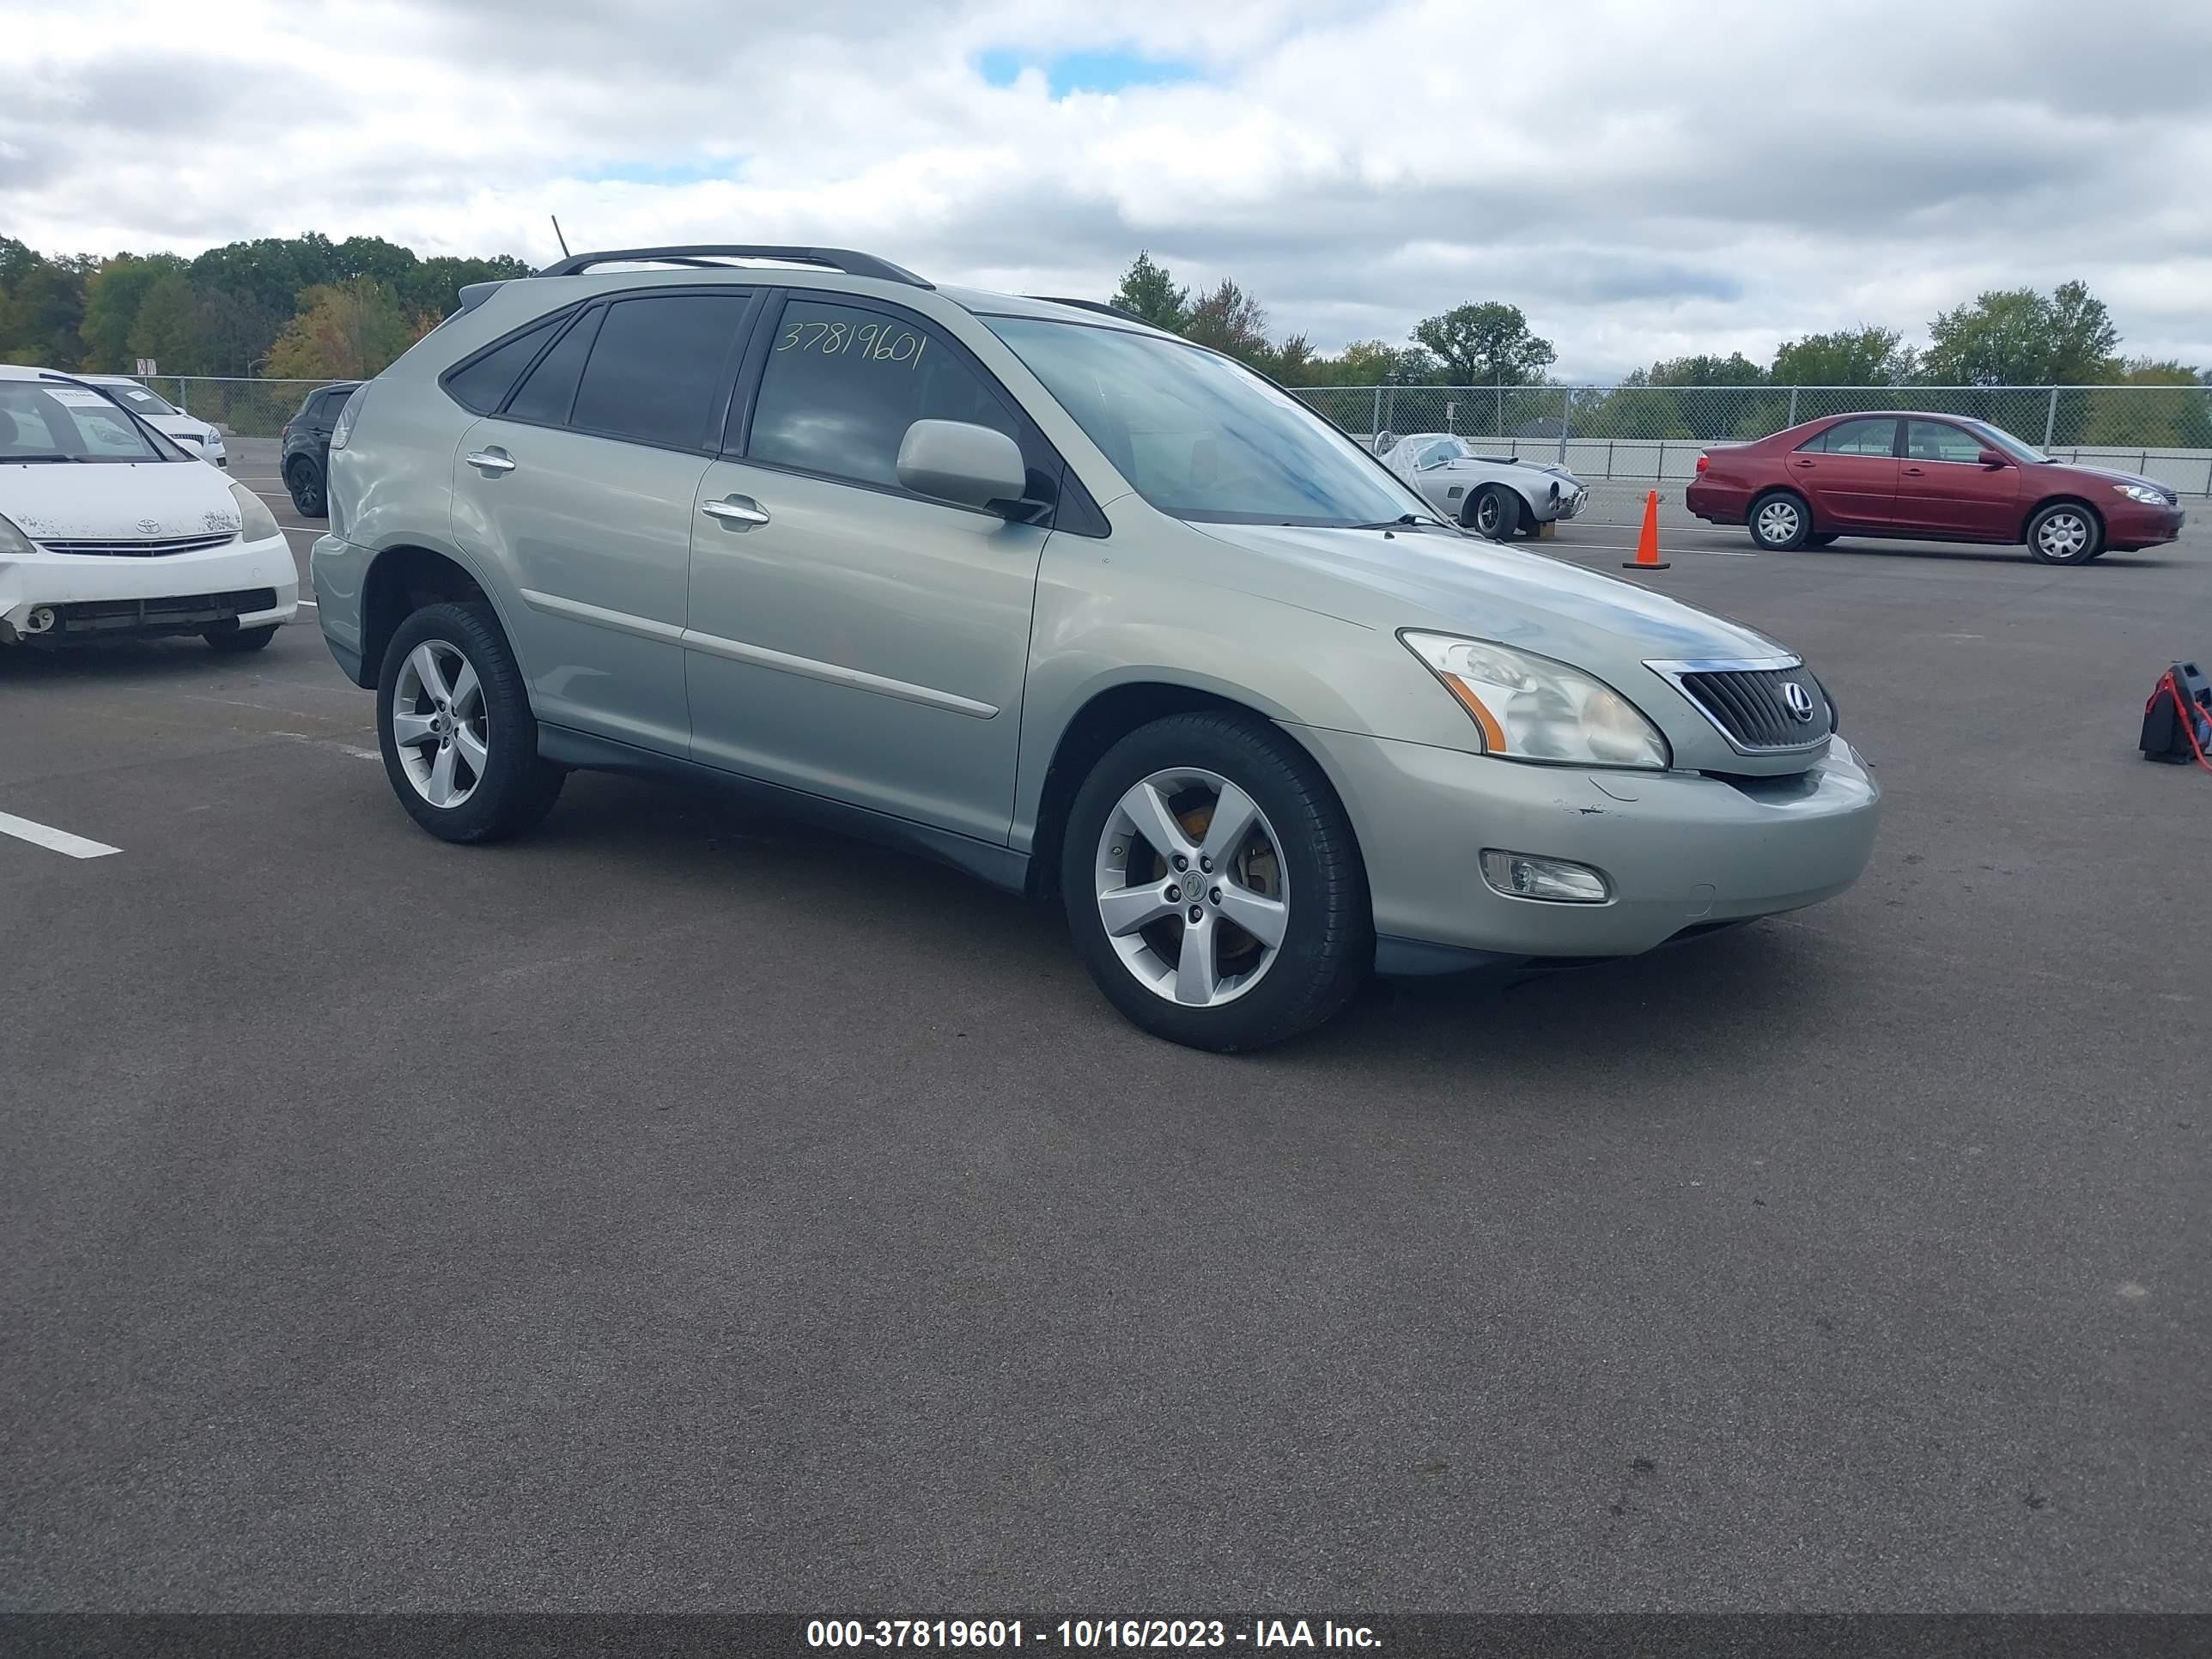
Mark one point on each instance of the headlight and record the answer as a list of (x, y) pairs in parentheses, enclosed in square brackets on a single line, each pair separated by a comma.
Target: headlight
[(255, 523), (1532, 708), (2143, 493), (13, 543)]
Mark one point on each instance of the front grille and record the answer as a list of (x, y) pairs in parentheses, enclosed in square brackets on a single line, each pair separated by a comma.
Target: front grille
[(1751, 705), (185, 611), (144, 549)]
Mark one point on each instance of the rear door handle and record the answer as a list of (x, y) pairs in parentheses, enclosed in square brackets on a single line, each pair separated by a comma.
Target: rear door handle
[(1913, 473), (736, 513), (492, 460), (1804, 463)]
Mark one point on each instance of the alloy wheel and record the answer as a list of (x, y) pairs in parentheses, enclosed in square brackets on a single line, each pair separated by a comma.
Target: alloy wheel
[(1192, 887), (439, 724)]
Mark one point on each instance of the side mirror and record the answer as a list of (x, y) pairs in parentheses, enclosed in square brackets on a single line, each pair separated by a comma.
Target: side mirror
[(956, 461), (1996, 457)]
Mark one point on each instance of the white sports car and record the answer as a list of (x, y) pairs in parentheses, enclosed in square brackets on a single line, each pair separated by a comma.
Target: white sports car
[(109, 527), (1496, 495), (198, 437)]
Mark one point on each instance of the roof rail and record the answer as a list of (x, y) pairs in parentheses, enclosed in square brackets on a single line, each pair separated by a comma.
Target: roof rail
[(1105, 305), (709, 253)]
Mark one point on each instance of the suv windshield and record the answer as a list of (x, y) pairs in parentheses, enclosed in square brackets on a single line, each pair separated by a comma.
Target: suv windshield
[(2019, 448), (1200, 437), (42, 422)]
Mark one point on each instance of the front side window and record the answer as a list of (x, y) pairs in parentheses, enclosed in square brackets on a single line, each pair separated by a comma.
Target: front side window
[(1201, 438), (1877, 438), (842, 384), (51, 423), (655, 368), (1939, 440)]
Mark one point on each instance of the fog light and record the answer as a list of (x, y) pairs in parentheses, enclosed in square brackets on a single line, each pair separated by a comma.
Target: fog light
[(1523, 875)]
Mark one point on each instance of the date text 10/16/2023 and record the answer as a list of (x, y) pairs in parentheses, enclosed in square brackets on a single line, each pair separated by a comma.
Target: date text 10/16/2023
[(1087, 1634)]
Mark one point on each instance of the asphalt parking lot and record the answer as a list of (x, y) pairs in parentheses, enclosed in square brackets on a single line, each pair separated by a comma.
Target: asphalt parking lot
[(678, 1209)]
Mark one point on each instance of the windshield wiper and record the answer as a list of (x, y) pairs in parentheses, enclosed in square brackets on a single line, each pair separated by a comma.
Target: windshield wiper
[(11, 461), (1401, 521)]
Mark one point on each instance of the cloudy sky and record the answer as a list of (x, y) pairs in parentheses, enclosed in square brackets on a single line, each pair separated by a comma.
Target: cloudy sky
[(1644, 179)]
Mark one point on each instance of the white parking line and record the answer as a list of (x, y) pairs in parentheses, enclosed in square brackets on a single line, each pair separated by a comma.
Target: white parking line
[(58, 840)]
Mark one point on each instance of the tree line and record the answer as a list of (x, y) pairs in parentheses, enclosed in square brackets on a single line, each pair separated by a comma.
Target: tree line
[(291, 308), (1999, 338)]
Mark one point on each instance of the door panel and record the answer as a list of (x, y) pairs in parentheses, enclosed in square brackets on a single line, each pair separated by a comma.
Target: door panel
[(861, 644), (597, 535), (1943, 487), (1849, 472)]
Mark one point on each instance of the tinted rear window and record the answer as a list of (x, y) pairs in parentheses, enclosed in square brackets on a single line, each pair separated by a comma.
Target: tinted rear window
[(482, 385), (658, 363), (547, 392)]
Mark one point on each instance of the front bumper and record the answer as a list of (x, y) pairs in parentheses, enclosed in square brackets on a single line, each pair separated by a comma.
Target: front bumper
[(255, 582), (2138, 524), (1679, 850)]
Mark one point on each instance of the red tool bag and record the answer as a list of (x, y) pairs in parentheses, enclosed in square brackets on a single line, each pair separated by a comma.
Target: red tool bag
[(2177, 724)]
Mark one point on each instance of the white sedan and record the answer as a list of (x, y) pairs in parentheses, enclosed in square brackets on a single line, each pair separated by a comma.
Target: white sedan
[(108, 526), (198, 437)]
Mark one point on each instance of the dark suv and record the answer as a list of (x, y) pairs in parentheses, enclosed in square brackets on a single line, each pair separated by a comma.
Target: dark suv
[(306, 460)]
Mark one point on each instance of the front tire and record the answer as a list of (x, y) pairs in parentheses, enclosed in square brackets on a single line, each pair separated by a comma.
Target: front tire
[(459, 742), (1780, 521), (1494, 511), (305, 480), (1276, 931), (2065, 532), (237, 642)]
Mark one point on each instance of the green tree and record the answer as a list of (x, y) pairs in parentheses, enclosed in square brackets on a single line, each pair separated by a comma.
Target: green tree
[(1865, 355), (170, 326), (42, 310), (1151, 292), (433, 288), (344, 331), (1485, 344), (2017, 337), (1230, 320), (2178, 415), (111, 299)]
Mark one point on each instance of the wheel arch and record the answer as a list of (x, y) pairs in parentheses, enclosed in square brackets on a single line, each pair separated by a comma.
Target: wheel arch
[(402, 579), (1103, 720)]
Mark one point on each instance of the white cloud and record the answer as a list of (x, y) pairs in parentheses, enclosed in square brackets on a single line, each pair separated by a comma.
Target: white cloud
[(1643, 179)]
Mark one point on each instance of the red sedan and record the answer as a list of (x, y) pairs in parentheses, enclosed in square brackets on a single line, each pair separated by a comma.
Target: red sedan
[(1929, 478)]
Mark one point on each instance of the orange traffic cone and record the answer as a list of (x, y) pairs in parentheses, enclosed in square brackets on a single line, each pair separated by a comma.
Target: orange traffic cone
[(1647, 544)]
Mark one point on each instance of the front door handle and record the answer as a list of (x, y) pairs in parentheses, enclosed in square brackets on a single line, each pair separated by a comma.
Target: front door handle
[(493, 461), (1912, 472), (738, 513)]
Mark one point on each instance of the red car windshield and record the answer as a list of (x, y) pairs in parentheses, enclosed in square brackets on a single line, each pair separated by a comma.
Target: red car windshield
[(2019, 448)]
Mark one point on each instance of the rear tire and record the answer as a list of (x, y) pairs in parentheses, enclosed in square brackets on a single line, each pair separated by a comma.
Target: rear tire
[(459, 742), (1780, 521), (237, 642), (1295, 871), (305, 480), (2065, 532)]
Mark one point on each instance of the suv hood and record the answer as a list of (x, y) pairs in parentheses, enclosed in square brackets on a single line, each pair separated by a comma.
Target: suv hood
[(130, 500), (1431, 579)]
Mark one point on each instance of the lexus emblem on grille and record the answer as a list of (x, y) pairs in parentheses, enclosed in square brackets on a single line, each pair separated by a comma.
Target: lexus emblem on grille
[(1800, 700), (151, 526)]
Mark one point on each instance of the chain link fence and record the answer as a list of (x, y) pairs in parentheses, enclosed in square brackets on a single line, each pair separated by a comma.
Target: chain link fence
[(1638, 431), (1624, 431), (244, 409)]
